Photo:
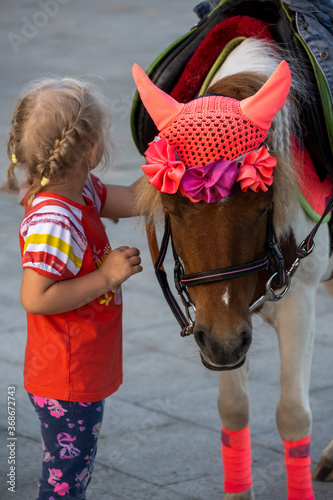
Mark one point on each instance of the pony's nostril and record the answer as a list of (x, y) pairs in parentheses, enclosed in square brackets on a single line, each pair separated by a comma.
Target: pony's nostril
[(245, 341), (199, 336), (244, 336)]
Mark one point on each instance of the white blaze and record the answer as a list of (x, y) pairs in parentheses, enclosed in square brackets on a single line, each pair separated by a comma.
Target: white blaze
[(225, 297)]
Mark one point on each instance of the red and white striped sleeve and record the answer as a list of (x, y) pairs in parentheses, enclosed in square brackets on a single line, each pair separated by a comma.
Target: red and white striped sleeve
[(54, 242), (95, 191)]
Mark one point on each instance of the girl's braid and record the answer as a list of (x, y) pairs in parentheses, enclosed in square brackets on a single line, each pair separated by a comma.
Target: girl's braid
[(57, 161), (12, 184)]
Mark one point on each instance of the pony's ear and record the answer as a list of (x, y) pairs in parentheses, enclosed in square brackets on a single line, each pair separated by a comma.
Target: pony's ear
[(262, 107), (161, 107)]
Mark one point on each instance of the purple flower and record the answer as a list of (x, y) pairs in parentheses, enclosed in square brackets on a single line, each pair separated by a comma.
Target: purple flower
[(211, 182)]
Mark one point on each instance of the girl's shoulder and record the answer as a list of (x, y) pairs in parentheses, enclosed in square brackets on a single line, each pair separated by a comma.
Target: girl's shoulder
[(52, 238), (52, 204), (52, 214), (56, 210)]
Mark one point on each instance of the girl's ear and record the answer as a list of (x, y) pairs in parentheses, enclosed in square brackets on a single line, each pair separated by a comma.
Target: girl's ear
[(95, 156)]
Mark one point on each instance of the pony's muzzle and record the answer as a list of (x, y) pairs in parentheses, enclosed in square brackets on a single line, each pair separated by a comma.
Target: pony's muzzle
[(220, 352)]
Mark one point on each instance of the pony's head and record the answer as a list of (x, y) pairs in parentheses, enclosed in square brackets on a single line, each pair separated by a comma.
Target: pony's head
[(213, 172)]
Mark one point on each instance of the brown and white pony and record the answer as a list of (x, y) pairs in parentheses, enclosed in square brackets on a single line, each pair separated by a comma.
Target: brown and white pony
[(233, 232)]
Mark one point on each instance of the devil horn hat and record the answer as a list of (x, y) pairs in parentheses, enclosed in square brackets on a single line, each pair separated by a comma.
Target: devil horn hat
[(260, 108), (199, 142)]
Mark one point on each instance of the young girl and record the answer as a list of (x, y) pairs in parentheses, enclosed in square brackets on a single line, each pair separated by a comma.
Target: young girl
[(71, 277)]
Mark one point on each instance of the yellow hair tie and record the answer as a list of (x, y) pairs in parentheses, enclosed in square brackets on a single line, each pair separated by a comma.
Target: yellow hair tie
[(44, 181), (14, 159)]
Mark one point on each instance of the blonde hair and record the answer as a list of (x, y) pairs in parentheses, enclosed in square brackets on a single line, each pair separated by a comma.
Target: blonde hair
[(56, 123)]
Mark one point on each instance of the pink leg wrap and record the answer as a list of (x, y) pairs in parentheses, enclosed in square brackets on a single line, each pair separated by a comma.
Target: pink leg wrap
[(236, 457), (297, 459)]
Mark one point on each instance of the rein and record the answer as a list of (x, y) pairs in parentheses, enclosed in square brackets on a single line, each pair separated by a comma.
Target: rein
[(280, 277)]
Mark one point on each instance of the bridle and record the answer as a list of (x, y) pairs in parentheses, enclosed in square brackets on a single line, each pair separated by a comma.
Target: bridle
[(273, 261)]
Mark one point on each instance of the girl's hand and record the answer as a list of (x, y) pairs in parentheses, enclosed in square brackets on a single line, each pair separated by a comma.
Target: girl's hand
[(42, 295), (120, 264)]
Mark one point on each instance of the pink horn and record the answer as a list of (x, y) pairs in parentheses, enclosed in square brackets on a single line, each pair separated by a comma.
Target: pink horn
[(161, 107), (262, 107)]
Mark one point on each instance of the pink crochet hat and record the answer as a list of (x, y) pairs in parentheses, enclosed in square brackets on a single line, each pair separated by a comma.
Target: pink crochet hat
[(213, 127), (208, 129)]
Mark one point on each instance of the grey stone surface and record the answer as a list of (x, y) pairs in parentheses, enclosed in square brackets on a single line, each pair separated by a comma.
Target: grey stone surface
[(161, 433)]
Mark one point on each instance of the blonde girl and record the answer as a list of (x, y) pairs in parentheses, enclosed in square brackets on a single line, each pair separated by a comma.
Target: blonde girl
[(71, 276)]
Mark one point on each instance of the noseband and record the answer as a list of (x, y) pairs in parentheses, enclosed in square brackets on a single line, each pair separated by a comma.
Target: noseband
[(280, 277)]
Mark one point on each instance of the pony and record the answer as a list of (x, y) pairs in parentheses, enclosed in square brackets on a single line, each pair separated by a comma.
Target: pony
[(227, 234)]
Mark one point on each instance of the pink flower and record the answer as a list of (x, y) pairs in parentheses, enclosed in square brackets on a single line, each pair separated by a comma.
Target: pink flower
[(163, 168), (256, 170), (210, 183)]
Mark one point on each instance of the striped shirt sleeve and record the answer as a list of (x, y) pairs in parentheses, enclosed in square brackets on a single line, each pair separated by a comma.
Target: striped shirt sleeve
[(54, 242), (95, 191)]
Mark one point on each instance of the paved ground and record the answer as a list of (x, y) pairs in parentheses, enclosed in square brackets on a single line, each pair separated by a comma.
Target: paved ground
[(161, 434)]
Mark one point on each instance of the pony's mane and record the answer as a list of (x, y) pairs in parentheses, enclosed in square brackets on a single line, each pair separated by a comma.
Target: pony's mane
[(242, 74)]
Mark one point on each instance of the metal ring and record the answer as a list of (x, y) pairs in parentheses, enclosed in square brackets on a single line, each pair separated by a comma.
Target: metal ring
[(303, 251), (271, 291), (187, 310)]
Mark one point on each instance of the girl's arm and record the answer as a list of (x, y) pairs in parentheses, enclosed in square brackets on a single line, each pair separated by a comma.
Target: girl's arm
[(120, 201), (42, 295)]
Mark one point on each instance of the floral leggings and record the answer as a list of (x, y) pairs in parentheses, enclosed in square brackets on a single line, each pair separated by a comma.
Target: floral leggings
[(70, 434)]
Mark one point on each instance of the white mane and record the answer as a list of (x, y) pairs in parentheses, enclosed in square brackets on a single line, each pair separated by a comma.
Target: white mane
[(251, 55)]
